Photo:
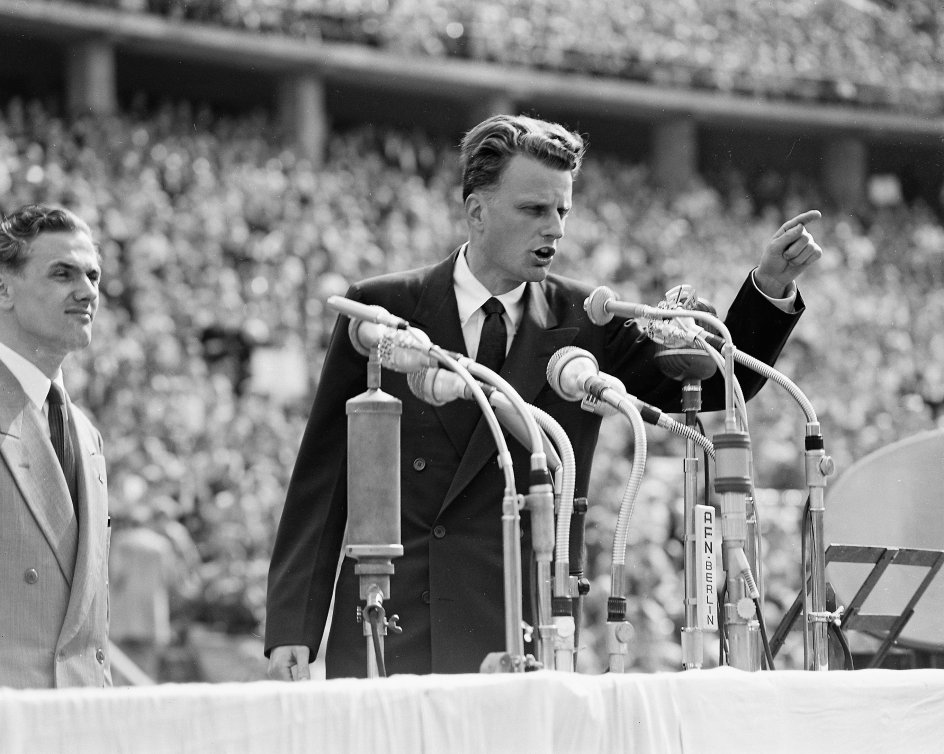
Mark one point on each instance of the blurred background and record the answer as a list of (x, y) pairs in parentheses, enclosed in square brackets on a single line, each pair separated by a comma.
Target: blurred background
[(242, 160)]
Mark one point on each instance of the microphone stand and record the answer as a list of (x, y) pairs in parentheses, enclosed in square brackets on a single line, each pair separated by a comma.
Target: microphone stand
[(817, 466), (610, 393), (565, 586), (513, 660), (619, 630), (690, 366), (540, 503), (732, 481)]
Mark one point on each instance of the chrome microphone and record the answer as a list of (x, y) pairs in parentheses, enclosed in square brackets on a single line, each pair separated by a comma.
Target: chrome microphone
[(440, 386), (400, 350), (574, 375), (603, 304)]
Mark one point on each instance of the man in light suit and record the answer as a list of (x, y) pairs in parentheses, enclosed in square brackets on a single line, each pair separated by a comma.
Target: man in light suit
[(54, 524), (448, 586)]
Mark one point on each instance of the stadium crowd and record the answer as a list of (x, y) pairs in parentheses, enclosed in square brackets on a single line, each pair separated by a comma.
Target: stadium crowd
[(861, 52), (220, 248)]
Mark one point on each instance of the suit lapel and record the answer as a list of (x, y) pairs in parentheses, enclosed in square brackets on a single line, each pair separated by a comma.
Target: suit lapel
[(538, 337), (437, 314), (32, 462)]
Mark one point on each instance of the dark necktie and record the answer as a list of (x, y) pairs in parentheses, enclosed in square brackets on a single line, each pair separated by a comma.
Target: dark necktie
[(494, 338), (62, 440)]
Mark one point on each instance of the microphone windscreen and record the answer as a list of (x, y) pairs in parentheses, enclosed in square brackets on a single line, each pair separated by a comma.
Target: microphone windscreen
[(420, 384), (361, 333), (595, 305), (558, 358), (561, 358)]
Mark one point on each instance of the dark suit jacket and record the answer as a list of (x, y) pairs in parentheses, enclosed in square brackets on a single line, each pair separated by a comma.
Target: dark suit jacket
[(448, 588)]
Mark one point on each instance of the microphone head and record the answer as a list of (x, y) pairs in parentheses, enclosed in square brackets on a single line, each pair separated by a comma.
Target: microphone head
[(595, 305), (677, 332), (421, 385), (678, 356), (364, 335), (404, 350), (565, 383)]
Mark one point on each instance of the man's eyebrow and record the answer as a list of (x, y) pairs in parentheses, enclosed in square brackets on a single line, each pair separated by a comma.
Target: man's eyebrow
[(71, 265)]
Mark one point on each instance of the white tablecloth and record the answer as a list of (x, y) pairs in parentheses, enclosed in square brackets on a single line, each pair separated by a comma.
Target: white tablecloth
[(718, 710)]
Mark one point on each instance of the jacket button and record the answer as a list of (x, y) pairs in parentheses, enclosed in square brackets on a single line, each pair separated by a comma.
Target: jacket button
[(31, 576), (419, 464), (439, 532), (100, 656), (425, 597)]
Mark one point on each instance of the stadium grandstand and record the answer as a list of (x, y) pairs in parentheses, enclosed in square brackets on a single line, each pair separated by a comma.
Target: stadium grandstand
[(242, 160)]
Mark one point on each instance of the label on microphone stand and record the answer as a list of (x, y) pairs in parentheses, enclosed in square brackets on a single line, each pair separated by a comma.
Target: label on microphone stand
[(706, 567)]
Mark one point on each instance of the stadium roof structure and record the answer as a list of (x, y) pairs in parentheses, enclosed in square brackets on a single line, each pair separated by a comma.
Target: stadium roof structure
[(340, 63)]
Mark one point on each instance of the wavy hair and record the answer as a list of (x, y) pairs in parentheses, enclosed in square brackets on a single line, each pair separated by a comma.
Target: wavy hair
[(22, 226), (487, 148)]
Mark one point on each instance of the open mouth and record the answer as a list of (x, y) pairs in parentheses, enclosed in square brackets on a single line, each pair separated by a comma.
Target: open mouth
[(545, 253)]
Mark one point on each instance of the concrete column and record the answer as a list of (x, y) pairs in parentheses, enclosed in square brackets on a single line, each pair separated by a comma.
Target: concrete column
[(90, 78), (845, 171), (674, 159), (303, 113)]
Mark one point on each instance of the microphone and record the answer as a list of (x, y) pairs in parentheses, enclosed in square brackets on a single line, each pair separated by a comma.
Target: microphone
[(573, 373), (366, 312), (365, 335), (400, 347), (678, 357), (602, 304), (401, 350), (677, 332), (440, 386)]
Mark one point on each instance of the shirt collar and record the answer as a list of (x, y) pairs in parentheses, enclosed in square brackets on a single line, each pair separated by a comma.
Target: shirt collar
[(34, 383), (471, 294)]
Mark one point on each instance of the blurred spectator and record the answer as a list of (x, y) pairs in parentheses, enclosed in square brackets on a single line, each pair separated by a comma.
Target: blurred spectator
[(866, 52)]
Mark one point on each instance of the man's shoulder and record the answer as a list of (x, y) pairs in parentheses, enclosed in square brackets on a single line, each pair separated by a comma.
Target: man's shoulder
[(565, 288), (402, 285), (393, 280)]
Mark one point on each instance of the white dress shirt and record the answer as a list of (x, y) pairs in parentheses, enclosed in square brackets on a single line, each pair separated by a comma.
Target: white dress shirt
[(34, 383), (471, 294)]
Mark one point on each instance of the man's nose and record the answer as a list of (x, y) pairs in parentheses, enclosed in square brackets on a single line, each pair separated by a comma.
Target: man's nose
[(554, 227), (86, 290)]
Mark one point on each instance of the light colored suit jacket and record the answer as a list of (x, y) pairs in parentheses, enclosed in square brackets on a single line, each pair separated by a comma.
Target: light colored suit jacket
[(53, 569)]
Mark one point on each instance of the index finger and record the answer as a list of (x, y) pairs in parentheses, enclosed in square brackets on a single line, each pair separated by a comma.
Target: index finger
[(801, 219)]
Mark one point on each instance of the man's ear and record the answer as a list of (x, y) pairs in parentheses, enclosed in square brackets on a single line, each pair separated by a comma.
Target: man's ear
[(474, 209)]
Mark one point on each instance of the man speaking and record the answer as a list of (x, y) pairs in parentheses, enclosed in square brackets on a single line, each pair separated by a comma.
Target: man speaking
[(495, 299)]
